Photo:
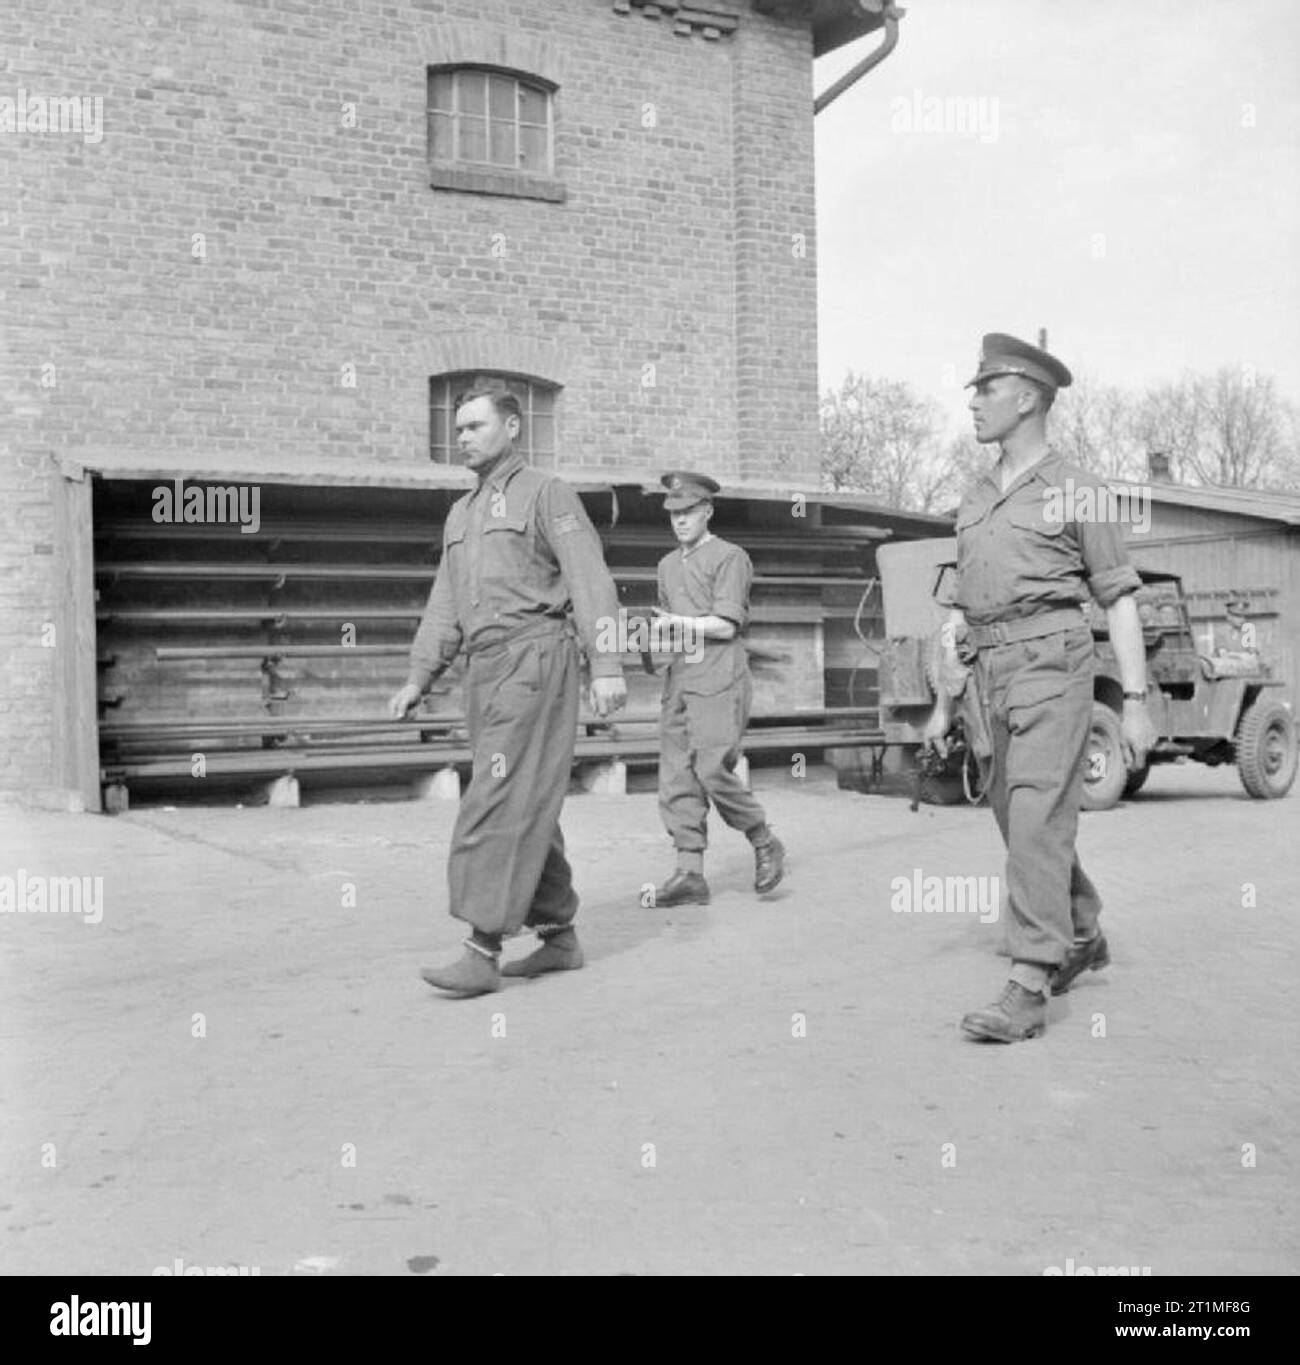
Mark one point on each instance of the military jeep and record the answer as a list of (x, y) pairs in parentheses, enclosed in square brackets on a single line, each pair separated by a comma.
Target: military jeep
[(1224, 707)]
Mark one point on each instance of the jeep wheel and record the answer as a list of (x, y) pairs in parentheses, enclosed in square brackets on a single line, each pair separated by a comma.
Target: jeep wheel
[(1266, 749), (1135, 781), (974, 779), (1104, 773), (942, 789)]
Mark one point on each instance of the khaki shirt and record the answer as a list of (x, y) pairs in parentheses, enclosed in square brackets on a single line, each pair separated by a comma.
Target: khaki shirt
[(1015, 559), (517, 550), (712, 580)]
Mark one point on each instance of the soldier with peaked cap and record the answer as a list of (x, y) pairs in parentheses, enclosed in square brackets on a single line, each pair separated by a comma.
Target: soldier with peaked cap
[(1029, 556), (704, 602)]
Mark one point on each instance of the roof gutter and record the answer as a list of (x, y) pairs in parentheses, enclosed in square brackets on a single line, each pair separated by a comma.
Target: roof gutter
[(892, 14)]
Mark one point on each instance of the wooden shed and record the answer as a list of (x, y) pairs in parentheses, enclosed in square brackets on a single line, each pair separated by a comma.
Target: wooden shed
[(1238, 553), (219, 656)]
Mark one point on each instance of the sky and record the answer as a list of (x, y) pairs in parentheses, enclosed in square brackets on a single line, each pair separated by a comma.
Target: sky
[(1130, 181)]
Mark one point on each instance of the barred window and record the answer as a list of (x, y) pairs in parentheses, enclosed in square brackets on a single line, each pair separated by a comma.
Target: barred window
[(482, 117), (536, 397)]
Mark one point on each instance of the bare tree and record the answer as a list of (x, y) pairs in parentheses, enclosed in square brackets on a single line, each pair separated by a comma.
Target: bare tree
[(881, 438), (1230, 428), (1095, 426), (1170, 421), (966, 462), (1244, 428), (1288, 465)]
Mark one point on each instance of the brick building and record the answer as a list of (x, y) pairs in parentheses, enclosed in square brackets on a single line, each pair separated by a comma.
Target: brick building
[(267, 240)]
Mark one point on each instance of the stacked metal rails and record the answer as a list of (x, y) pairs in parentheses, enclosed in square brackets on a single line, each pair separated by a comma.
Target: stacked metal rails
[(228, 659)]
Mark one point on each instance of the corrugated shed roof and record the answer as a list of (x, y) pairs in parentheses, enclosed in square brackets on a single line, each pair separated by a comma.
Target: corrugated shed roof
[(267, 468), (293, 469), (1246, 502)]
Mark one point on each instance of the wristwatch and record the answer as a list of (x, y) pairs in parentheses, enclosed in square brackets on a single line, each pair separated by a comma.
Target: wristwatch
[(1135, 696)]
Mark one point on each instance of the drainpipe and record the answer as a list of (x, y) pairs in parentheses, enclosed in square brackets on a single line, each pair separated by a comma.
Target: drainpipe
[(892, 15)]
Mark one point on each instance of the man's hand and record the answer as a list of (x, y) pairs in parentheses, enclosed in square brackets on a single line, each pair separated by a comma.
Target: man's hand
[(403, 701), (694, 628), (935, 734), (1137, 734), (608, 695)]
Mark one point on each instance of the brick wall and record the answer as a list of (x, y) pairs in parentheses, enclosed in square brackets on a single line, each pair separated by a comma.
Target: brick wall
[(195, 283)]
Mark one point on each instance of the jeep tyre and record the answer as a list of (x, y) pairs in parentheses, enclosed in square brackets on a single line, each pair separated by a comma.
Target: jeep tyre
[(1266, 749), (1135, 781), (975, 774), (1104, 774), (942, 789)]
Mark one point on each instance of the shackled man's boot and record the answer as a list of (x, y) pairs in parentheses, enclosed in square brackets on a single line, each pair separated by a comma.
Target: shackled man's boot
[(682, 888), (559, 951), (476, 973), (1089, 956), (769, 859), (1018, 1014)]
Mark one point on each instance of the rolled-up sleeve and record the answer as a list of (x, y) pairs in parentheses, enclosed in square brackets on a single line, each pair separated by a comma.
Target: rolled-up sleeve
[(731, 587), (573, 540), (1109, 571)]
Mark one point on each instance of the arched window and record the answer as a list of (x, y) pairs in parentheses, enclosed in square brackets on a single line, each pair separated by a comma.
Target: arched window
[(536, 398), (491, 131)]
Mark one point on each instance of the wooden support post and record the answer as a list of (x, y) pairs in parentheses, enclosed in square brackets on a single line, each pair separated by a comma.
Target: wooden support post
[(74, 695), (608, 778), (444, 785), (284, 792)]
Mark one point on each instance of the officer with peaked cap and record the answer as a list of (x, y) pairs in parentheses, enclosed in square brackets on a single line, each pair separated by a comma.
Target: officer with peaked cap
[(1001, 354), (1029, 556), (704, 610)]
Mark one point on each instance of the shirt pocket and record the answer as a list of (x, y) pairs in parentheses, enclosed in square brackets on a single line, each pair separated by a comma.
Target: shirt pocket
[(1035, 551), (1035, 517), (968, 527), (506, 554), (968, 522)]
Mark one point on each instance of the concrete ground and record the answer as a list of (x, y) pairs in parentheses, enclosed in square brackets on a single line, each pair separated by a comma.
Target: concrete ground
[(753, 1087)]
